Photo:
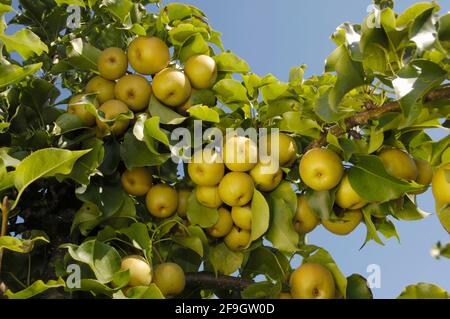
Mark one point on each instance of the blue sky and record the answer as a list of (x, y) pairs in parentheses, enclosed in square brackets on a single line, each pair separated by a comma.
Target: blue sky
[(275, 35)]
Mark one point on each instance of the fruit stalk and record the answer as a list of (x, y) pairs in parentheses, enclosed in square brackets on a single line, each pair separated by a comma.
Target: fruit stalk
[(208, 280)]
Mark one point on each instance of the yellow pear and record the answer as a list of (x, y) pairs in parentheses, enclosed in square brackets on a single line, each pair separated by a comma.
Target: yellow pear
[(170, 279), (347, 197), (183, 109), (112, 63), (398, 163), (267, 176), (242, 216), (134, 90), (237, 239), (305, 219), (139, 269), (440, 184), (239, 153), (206, 168), (183, 197), (223, 225), (137, 181), (201, 71), (171, 87), (312, 281), (287, 148), (161, 201), (345, 223), (111, 110), (236, 189), (148, 55), (102, 87), (321, 169), (208, 196), (78, 108)]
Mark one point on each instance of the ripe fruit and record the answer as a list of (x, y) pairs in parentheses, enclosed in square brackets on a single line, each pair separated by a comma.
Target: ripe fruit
[(112, 63), (183, 197), (139, 269), (321, 169), (240, 154), (208, 196), (111, 110), (236, 189), (237, 239), (305, 219), (137, 181), (440, 184), (347, 197), (287, 148), (148, 55), (425, 172), (345, 224), (201, 71), (312, 281), (398, 163), (170, 279), (223, 225), (161, 201), (78, 108), (242, 217), (133, 90), (171, 87), (266, 176), (104, 88), (206, 168), (182, 109)]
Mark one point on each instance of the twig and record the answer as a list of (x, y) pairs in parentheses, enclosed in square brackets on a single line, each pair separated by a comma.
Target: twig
[(208, 280)]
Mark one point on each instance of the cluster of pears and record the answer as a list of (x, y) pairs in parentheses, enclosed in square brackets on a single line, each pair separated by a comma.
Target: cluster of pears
[(321, 169), (168, 277), (311, 281), (119, 91), (226, 182)]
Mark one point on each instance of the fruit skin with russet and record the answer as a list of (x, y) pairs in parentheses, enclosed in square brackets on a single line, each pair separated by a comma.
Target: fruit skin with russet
[(161, 201), (312, 281), (242, 216), (78, 108), (102, 87), (223, 225), (134, 90), (206, 168), (345, 223), (208, 196), (112, 63), (137, 181), (112, 109), (171, 87), (236, 189), (263, 177), (347, 197), (139, 269), (321, 169), (237, 239), (305, 220), (170, 279), (398, 163), (148, 55), (201, 71), (440, 184), (239, 153)]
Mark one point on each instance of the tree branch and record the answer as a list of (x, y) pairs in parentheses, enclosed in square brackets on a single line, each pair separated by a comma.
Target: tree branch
[(208, 280), (363, 117)]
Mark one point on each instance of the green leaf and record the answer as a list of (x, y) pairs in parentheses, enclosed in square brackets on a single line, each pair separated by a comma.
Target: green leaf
[(281, 233), (20, 245), (224, 260), (264, 261), (71, 2), (139, 236), (24, 42), (198, 214), (294, 122), (165, 114), (191, 242), (357, 288), (371, 229), (44, 163), (262, 290), (195, 45), (230, 92), (409, 211), (204, 113), (148, 292), (135, 153), (86, 219), (11, 73), (231, 63), (260, 216), (83, 55), (103, 259), (36, 288), (152, 129), (119, 8), (321, 202), (108, 198), (423, 291)]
